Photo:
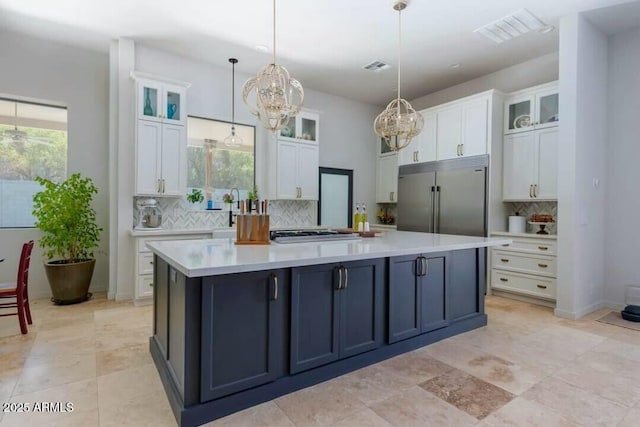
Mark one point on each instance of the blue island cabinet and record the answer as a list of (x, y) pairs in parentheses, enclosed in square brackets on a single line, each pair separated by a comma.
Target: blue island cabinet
[(224, 342), (337, 311), (242, 337)]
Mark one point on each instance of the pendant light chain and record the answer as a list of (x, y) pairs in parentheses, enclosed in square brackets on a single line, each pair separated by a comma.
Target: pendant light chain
[(399, 49), (233, 96), (274, 32)]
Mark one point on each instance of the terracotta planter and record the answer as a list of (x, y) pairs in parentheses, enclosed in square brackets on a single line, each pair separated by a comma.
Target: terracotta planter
[(69, 282)]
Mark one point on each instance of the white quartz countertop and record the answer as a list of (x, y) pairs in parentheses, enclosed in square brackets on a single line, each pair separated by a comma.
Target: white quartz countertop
[(197, 258)]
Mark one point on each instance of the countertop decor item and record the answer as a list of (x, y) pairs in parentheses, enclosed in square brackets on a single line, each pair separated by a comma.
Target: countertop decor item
[(273, 95), (522, 121), (70, 234), (233, 140), (541, 220), (399, 119)]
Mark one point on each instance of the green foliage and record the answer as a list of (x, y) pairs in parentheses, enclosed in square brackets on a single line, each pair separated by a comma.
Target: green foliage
[(253, 194), (25, 161), (64, 214), (229, 168), (195, 196)]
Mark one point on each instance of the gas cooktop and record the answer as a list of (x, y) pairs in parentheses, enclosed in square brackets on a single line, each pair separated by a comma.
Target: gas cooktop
[(301, 236)]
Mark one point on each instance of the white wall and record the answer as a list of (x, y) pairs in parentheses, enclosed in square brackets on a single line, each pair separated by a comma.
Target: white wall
[(623, 174), (536, 71), (44, 70), (582, 160)]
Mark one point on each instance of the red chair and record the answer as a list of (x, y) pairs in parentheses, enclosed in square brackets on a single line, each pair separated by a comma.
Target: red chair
[(18, 290)]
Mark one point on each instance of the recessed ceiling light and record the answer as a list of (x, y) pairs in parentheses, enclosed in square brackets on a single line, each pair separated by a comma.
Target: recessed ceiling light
[(454, 65), (262, 48), (546, 29)]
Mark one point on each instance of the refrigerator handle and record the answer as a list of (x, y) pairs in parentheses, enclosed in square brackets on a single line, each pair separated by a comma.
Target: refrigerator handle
[(437, 210), (432, 226)]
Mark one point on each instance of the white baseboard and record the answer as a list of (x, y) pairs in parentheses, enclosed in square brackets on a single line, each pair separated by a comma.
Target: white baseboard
[(124, 296), (574, 315)]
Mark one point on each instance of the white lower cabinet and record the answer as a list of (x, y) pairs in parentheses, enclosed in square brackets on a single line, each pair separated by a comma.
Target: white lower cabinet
[(143, 288), (527, 267)]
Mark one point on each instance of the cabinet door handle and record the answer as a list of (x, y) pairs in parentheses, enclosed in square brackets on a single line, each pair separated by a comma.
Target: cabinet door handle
[(506, 244), (425, 270), (391, 194), (543, 248), (458, 150), (300, 192), (541, 286), (504, 259), (530, 190), (503, 279), (158, 188), (346, 277), (151, 284), (535, 190), (163, 185), (418, 266), (275, 286), (543, 265), (462, 149), (340, 277)]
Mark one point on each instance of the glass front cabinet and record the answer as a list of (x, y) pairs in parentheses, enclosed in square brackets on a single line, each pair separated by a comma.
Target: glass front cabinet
[(535, 108), (304, 126), (161, 102)]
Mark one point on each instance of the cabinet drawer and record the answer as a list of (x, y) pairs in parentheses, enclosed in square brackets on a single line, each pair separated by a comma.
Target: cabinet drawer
[(142, 241), (145, 286), (542, 247), (524, 263), (145, 263), (535, 286)]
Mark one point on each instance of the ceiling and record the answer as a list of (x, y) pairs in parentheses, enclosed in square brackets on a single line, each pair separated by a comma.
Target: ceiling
[(323, 43)]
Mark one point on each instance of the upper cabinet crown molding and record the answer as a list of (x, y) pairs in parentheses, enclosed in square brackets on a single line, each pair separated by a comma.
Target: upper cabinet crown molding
[(141, 75)]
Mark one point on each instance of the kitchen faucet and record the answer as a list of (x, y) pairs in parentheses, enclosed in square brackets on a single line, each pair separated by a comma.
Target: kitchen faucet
[(231, 210)]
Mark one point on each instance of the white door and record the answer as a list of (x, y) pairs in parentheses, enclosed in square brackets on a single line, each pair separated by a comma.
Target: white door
[(148, 157), (308, 174), (547, 167), (519, 156), (425, 143), (449, 132), (387, 179), (474, 127), (286, 170), (174, 172), (149, 100)]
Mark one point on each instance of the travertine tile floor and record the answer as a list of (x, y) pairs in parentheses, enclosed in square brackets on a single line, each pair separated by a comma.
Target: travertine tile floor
[(526, 368)]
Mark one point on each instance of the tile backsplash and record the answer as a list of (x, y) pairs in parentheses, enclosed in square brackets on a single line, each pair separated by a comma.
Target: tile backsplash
[(526, 209), (177, 213)]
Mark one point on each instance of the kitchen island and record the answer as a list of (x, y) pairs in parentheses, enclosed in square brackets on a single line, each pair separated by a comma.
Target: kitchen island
[(238, 325)]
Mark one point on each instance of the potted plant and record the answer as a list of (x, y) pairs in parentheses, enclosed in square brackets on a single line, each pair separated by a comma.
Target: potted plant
[(195, 198), (252, 196), (64, 214)]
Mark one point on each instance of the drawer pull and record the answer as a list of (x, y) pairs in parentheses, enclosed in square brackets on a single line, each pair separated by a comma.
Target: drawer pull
[(151, 284), (543, 265), (543, 248), (542, 286), (504, 259), (506, 244), (504, 279)]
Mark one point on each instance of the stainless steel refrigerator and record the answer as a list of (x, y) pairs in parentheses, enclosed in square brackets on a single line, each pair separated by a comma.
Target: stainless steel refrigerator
[(448, 196)]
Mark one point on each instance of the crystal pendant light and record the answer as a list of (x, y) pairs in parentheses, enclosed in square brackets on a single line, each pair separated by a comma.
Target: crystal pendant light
[(399, 122), (233, 140), (273, 95)]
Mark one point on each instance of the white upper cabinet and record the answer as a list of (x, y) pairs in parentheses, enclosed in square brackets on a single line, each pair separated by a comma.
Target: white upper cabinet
[(530, 170), (305, 126), (161, 137), (449, 132), (532, 108), (475, 127), (296, 173), (423, 147), (161, 102)]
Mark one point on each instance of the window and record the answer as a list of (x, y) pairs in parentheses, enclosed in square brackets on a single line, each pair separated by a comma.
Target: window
[(214, 167), (33, 142)]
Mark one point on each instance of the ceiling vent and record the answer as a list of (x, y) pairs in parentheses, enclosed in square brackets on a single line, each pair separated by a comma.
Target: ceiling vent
[(376, 66), (511, 26)]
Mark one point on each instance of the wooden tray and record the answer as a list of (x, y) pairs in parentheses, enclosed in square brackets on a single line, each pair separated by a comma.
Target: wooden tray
[(371, 233)]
